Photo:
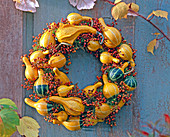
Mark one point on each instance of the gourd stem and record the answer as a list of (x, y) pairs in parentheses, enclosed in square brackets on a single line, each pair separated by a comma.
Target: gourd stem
[(98, 84), (105, 80), (30, 102), (26, 61), (125, 65), (101, 21), (46, 52), (115, 60), (56, 71)]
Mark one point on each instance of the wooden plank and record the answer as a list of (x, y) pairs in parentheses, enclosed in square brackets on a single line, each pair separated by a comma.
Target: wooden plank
[(11, 50)]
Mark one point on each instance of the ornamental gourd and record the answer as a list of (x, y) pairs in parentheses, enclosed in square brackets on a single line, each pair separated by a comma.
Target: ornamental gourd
[(42, 107), (63, 90), (72, 105), (102, 111), (61, 116), (116, 74), (41, 85), (75, 18), (58, 60), (109, 89), (47, 39), (67, 33), (89, 90), (125, 52), (130, 83), (106, 58), (73, 123), (30, 72), (38, 56), (94, 45), (111, 34), (62, 77)]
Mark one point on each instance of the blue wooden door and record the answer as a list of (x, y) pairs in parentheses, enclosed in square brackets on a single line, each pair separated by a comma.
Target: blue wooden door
[(151, 98)]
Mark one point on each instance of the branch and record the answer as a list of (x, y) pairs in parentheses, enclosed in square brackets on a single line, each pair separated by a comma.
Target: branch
[(112, 3), (150, 23)]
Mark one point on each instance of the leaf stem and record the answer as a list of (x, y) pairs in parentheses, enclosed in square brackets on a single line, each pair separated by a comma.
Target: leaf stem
[(160, 38), (112, 3), (152, 17), (150, 23)]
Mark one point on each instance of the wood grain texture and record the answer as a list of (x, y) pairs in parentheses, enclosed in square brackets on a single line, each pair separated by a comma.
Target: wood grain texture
[(11, 49)]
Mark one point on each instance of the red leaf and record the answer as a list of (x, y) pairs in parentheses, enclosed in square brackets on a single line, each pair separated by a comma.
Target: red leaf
[(0, 120), (142, 132), (167, 118)]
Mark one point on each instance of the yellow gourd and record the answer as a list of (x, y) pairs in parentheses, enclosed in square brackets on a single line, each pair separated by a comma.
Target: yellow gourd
[(58, 60), (102, 111), (89, 90), (63, 90), (47, 39), (30, 72), (72, 105), (61, 116), (94, 45), (72, 124), (42, 107), (106, 58), (67, 33), (75, 18), (109, 89), (60, 76), (38, 55), (112, 35), (125, 52), (121, 103), (41, 85)]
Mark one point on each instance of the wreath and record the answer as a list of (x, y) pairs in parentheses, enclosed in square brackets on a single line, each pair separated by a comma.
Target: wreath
[(48, 62)]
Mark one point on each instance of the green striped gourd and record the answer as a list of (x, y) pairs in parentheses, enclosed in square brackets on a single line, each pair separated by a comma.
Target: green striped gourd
[(42, 107), (130, 83), (41, 85), (116, 74)]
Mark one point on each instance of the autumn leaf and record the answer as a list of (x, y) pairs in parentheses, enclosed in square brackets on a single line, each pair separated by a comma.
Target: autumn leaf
[(134, 7), (9, 119), (28, 127), (119, 10), (151, 45), (159, 13), (83, 4), (26, 5), (142, 132), (156, 33), (167, 118), (7, 103), (117, 1)]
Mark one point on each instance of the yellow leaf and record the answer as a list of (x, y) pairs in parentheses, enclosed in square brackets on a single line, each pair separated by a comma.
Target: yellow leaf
[(161, 13), (151, 45), (133, 6), (156, 33), (117, 1), (119, 10), (28, 127)]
